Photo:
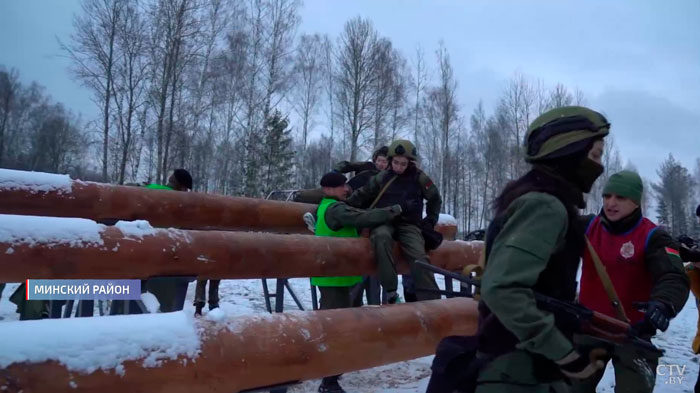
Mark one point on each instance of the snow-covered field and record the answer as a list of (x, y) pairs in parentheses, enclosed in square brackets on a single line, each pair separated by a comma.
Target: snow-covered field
[(245, 296)]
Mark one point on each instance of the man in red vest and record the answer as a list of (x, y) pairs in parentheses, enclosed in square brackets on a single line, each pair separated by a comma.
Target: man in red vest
[(646, 273)]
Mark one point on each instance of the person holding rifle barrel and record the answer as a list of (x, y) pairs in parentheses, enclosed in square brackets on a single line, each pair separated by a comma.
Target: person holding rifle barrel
[(533, 246)]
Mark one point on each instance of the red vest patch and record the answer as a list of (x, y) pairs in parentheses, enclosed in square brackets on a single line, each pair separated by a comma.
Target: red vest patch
[(623, 258)]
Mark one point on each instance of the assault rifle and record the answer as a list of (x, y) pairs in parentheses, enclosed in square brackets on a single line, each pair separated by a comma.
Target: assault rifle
[(576, 317)]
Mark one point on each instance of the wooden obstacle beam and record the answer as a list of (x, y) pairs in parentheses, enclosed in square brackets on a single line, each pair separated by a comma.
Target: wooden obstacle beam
[(43, 194), (229, 355), (65, 248)]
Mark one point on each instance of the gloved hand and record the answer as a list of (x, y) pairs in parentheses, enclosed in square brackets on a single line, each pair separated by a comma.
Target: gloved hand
[(396, 210), (657, 314), (581, 366), (686, 241)]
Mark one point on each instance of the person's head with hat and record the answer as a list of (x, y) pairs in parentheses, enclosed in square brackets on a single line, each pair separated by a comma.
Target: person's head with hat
[(180, 180), (622, 195), (333, 184)]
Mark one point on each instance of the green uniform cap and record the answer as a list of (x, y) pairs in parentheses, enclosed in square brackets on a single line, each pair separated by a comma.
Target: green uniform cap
[(626, 184)]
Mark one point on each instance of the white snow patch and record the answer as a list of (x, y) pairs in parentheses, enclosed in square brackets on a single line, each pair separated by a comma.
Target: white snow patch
[(138, 228), (322, 347), (446, 219), (305, 333), (34, 181), (33, 230), (88, 344), (151, 302), (10, 251), (216, 315), (72, 384)]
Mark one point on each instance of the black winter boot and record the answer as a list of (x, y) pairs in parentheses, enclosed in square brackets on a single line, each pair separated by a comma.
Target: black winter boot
[(330, 385)]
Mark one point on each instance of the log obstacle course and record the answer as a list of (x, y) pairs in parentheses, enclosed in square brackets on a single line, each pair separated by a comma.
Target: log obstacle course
[(390, 333), (161, 208), (207, 254), (273, 349)]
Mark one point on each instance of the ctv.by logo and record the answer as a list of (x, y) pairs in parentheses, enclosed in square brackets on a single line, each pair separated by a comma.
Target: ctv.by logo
[(672, 372)]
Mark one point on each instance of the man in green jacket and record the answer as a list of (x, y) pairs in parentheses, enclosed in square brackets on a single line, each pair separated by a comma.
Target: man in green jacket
[(406, 185), (337, 219), (533, 244), (171, 291), (645, 269)]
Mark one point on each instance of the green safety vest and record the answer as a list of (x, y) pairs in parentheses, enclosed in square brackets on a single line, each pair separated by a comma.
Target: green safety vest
[(323, 230)]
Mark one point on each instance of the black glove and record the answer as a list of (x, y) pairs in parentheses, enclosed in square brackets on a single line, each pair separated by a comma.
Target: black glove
[(581, 366), (686, 241), (656, 314)]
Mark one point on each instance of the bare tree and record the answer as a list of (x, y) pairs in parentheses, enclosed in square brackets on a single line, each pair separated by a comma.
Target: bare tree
[(355, 78), (419, 81), (517, 102), (172, 24), (92, 52), (308, 69), (9, 86), (130, 73), (442, 113), (330, 90)]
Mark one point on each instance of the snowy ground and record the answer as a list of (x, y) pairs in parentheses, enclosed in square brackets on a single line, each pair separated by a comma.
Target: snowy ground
[(245, 296)]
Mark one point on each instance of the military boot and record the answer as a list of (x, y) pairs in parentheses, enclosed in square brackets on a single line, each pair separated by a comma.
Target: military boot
[(330, 385), (198, 309)]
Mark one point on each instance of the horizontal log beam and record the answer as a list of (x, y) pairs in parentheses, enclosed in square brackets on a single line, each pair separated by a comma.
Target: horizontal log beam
[(41, 194), (65, 248), (235, 354)]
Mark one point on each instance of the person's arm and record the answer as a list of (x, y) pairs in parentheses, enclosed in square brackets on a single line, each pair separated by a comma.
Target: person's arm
[(433, 198), (365, 195), (671, 284), (536, 225), (347, 166), (340, 215)]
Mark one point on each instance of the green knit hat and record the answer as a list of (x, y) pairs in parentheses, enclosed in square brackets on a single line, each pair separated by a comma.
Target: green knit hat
[(626, 184)]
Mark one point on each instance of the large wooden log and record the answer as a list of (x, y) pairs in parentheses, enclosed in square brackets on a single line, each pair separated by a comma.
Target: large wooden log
[(41, 194), (234, 355), (64, 248)]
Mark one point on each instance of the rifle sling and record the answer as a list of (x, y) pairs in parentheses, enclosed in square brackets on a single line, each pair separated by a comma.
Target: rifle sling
[(607, 283), (376, 200)]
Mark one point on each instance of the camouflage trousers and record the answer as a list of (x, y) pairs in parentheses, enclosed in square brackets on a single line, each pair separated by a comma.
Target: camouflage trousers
[(200, 293), (413, 248)]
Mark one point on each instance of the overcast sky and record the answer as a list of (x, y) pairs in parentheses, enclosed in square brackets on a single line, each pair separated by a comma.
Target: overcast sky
[(637, 61)]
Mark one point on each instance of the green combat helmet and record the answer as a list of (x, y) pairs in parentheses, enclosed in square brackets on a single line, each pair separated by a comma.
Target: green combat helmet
[(561, 131), (404, 148)]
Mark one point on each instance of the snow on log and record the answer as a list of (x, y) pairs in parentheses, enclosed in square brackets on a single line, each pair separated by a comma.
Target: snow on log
[(43, 194), (174, 353), (73, 248)]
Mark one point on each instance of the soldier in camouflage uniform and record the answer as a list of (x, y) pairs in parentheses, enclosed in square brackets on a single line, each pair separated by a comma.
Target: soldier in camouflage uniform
[(532, 245), (337, 219), (404, 184)]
